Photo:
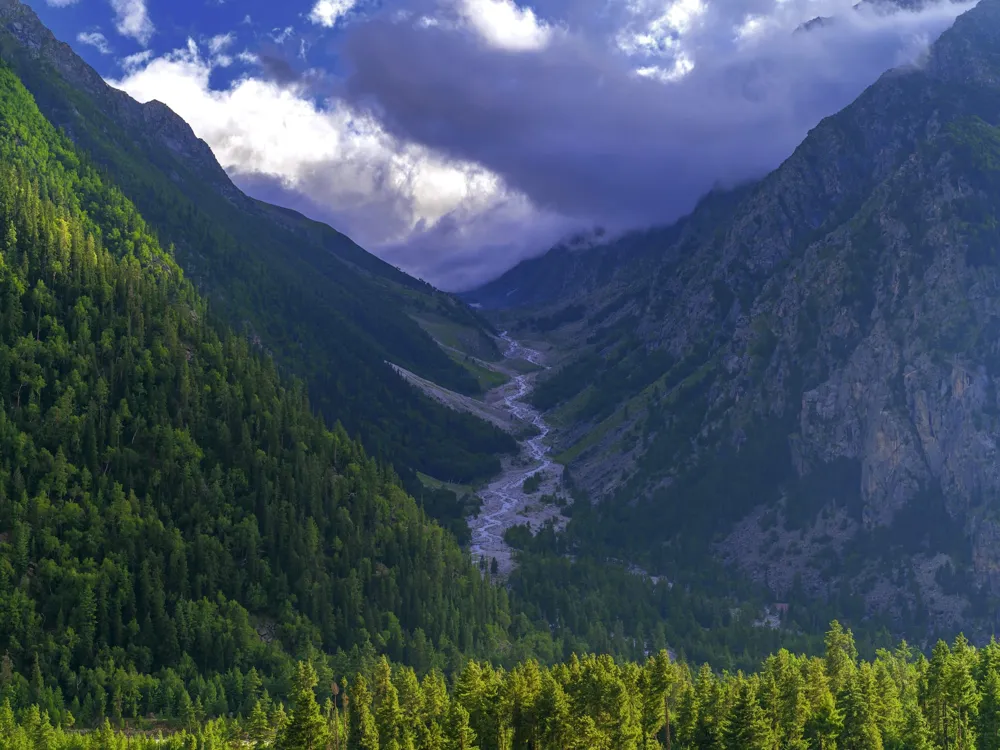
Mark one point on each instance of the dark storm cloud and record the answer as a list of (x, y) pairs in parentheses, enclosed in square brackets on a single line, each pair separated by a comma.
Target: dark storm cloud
[(573, 127), (575, 137), (277, 67)]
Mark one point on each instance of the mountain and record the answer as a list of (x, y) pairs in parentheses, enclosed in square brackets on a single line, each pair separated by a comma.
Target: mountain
[(881, 7), (328, 311), (174, 520), (802, 381)]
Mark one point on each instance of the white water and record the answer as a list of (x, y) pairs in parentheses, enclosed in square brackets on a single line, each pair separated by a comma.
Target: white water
[(504, 501)]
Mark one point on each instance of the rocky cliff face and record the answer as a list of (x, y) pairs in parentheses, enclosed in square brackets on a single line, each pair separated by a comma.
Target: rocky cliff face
[(834, 345)]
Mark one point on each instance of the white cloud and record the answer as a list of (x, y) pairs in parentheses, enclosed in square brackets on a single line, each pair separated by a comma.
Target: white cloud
[(280, 36), (60, 3), (132, 62), (661, 34), (328, 12), (95, 39), (220, 42), (388, 195), (504, 24), (132, 20)]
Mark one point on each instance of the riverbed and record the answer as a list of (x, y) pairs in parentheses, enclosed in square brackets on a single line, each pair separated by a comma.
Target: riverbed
[(505, 503)]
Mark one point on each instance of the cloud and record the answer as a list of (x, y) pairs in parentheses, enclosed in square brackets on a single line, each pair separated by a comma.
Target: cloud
[(328, 12), (132, 20), (505, 25), (438, 217), (221, 42), (60, 3), (456, 137), (133, 62), (633, 132), (95, 39)]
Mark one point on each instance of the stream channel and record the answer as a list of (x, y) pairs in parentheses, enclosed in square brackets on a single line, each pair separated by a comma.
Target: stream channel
[(505, 503)]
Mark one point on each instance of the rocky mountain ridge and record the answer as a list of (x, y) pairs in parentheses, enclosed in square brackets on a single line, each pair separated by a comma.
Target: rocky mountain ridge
[(807, 388)]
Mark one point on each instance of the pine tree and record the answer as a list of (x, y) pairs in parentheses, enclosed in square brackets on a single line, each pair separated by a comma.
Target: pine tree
[(916, 734), (989, 711), (555, 712), (963, 694), (841, 656), (306, 728), (460, 735), (888, 707), (861, 731), (749, 728), (259, 728), (362, 729), (824, 723), (940, 714), (388, 715)]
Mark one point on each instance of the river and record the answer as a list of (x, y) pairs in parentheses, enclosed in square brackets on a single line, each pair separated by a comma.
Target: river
[(504, 502)]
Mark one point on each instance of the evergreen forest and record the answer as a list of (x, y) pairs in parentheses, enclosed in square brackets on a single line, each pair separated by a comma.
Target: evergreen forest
[(900, 700)]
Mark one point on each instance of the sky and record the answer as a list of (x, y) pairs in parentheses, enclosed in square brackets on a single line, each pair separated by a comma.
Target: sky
[(455, 138)]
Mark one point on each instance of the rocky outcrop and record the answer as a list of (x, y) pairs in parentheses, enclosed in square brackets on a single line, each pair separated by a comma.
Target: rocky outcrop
[(851, 302)]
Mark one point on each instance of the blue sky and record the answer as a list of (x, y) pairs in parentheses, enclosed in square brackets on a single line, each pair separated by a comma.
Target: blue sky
[(104, 32), (456, 137)]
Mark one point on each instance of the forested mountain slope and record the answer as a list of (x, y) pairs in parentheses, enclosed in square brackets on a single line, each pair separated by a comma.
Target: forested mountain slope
[(173, 517), (806, 385), (327, 310)]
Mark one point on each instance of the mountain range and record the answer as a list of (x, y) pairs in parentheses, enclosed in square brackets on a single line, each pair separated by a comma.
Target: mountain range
[(210, 468), (800, 379)]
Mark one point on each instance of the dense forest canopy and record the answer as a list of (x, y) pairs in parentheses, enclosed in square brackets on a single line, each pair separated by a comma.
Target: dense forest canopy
[(169, 505), (898, 701)]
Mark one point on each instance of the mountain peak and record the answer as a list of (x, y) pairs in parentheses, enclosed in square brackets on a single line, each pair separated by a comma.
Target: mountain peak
[(158, 122)]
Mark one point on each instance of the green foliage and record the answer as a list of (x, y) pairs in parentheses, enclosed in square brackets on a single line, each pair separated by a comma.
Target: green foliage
[(896, 701), (174, 520), (328, 312), (532, 484), (307, 729), (609, 379)]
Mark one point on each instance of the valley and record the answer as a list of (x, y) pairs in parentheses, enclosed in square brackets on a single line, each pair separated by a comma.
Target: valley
[(693, 487), (505, 501)]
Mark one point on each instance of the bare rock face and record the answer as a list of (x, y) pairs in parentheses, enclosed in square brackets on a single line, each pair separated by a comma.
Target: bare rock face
[(840, 320)]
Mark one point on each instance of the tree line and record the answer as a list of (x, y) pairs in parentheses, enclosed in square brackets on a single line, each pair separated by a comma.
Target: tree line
[(900, 700)]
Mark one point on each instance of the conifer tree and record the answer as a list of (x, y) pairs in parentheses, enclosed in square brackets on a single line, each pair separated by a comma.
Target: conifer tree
[(259, 728), (307, 729), (388, 714), (362, 729), (460, 734), (861, 730), (989, 711), (916, 734), (940, 714), (963, 693), (749, 728), (841, 656)]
